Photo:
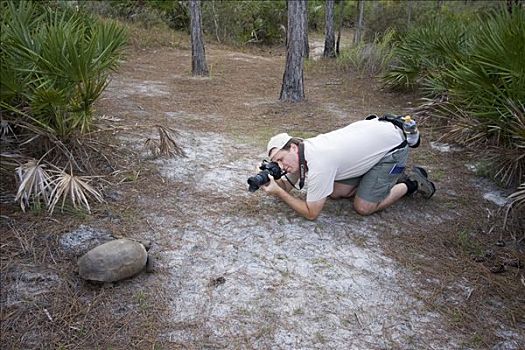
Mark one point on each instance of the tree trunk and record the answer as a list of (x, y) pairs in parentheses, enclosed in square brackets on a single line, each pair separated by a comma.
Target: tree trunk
[(215, 21), (292, 89), (360, 20), (306, 43), (329, 39), (198, 55), (341, 19), (409, 12)]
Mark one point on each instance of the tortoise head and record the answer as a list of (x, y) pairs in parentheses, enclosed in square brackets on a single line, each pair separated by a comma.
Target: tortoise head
[(147, 244)]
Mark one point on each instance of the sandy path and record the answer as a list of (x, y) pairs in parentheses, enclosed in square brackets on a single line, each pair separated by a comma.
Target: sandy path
[(242, 270)]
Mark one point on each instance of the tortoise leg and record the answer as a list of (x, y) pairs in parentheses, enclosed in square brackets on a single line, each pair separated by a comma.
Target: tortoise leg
[(150, 264)]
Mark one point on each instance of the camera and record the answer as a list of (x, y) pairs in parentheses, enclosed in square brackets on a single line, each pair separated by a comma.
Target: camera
[(268, 168)]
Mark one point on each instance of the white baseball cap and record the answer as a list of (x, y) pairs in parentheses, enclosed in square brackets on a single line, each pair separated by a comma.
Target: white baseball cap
[(278, 141)]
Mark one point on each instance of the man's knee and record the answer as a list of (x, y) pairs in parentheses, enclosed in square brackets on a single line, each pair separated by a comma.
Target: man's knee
[(364, 208)]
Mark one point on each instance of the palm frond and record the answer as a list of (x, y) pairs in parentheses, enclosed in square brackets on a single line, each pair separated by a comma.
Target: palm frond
[(5, 130), (9, 160), (152, 146), (76, 188), (35, 182), (516, 209), (56, 61), (166, 145), (518, 197)]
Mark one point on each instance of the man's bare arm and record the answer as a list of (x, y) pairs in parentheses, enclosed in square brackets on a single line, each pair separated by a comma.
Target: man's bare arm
[(309, 210)]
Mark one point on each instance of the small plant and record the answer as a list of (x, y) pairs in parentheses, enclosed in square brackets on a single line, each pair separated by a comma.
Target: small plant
[(298, 311), (142, 300), (55, 63)]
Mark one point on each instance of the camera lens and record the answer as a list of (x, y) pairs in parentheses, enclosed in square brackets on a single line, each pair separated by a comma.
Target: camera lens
[(258, 180)]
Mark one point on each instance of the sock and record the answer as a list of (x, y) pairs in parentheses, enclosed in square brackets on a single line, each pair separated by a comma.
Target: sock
[(411, 185)]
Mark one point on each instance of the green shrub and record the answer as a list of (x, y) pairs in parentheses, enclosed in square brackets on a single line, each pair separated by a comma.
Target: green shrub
[(241, 22), (488, 85), (402, 16), (54, 64), (425, 52), (476, 69), (316, 15), (369, 59)]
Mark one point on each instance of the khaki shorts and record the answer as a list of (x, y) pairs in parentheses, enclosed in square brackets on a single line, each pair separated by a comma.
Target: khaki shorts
[(375, 185)]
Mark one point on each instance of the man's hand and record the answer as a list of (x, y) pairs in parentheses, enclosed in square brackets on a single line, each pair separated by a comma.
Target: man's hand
[(271, 187)]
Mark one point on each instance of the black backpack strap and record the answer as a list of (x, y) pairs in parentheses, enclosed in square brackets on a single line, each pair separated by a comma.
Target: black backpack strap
[(401, 145), (396, 120)]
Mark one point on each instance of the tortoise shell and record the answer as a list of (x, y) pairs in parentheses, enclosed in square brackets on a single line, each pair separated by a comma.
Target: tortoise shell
[(113, 261)]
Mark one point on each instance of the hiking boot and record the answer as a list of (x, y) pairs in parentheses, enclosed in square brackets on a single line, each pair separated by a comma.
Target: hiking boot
[(402, 178), (424, 185)]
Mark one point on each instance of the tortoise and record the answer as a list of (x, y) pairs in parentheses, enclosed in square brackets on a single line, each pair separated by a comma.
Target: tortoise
[(115, 260)]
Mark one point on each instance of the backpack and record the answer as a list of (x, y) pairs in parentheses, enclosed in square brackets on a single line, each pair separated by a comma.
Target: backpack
[(405, 123)]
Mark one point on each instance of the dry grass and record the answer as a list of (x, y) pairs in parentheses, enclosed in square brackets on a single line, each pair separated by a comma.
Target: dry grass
[(463, 271), (160, 35)]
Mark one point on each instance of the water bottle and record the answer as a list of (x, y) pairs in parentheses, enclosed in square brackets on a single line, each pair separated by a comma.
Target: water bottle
[(411, 131)]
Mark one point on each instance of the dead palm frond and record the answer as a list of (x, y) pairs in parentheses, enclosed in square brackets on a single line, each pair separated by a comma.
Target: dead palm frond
[(459, 126), (39, 137), (9, 160), (5, 130), (517, 205), (153, 146), (518, 197), (77, 188), (35, 182), (166, 145)]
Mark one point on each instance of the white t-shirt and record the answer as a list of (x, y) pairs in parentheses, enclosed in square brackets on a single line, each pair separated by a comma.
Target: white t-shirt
[(346, 153)]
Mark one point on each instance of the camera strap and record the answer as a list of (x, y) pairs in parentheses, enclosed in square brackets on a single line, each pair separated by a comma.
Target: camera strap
[(302, 169), (302, 166)]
